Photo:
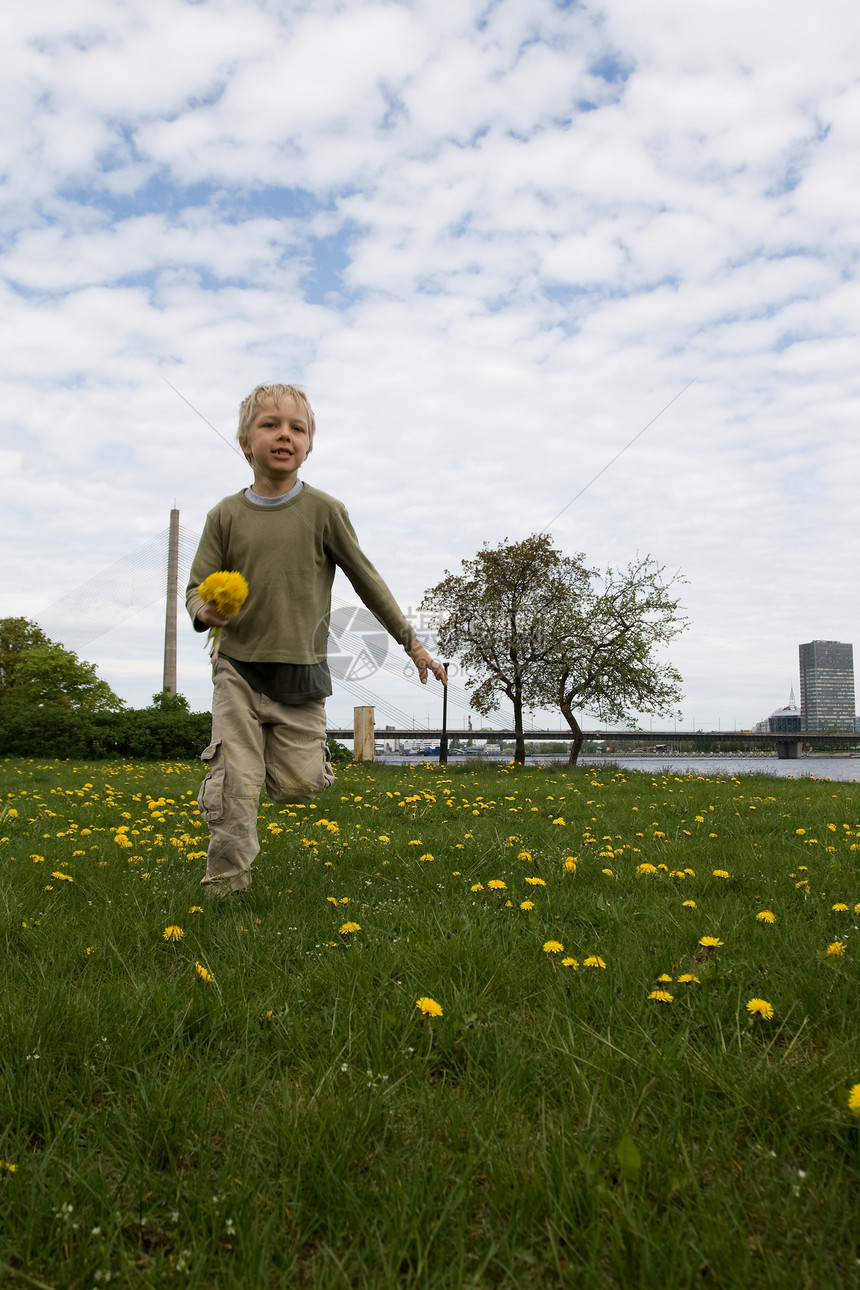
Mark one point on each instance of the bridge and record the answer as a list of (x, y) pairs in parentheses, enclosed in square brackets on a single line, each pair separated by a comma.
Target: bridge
[(785, 745)]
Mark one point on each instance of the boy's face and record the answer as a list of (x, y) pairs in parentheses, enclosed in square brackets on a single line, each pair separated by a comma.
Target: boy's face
[(277, 444)]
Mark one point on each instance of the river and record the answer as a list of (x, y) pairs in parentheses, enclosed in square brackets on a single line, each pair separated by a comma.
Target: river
[(842, 769)]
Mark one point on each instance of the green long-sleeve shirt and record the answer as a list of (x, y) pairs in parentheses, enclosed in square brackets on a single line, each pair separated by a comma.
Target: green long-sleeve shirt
[(288, 555)]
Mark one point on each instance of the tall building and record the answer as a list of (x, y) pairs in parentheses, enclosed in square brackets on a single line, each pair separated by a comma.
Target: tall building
[(827, 685)]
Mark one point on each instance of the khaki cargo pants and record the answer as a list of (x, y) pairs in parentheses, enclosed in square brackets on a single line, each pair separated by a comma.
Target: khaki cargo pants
[(255, 741)]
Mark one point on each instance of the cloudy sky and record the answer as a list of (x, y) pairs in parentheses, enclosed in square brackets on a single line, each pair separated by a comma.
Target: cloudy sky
[(493, 239)]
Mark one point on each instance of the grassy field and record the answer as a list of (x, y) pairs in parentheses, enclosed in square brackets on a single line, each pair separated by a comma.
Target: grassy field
[(471, 1027)]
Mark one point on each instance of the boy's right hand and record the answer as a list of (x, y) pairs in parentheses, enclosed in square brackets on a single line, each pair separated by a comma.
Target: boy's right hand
[(209, 616)]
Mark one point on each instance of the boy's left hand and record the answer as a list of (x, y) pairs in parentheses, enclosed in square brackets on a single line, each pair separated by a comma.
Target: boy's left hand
[(423, 661)]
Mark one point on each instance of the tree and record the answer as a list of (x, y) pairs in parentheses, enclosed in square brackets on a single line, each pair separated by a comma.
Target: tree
[(35, 670), (606, 660), (504, 617), (543, 630), (169, 701)]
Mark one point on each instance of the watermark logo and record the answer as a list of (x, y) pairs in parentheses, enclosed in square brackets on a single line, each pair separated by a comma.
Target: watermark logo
[(357, 644)]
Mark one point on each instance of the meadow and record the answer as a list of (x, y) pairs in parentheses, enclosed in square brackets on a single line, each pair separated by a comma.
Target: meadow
[(476, 1026)]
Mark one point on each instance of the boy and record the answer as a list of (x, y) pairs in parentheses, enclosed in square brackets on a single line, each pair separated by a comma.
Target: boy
[(271, 678)]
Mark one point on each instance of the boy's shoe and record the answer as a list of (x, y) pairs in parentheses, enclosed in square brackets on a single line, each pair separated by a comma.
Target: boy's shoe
[(221, 891)]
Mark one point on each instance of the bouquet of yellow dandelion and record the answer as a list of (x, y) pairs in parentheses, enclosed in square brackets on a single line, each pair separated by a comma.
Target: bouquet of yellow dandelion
[(228, 593)]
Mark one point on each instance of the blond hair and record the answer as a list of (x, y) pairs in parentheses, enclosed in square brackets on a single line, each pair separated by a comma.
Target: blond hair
[(249, 408)]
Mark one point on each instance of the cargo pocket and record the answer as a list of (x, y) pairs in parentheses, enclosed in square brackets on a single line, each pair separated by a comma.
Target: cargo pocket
[(210, 798)]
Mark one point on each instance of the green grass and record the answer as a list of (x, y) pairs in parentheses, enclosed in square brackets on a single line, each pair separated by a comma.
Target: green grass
[(297, 1121)]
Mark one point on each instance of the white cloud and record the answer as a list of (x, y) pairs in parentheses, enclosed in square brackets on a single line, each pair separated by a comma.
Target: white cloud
[(56, 259), (547, 221)]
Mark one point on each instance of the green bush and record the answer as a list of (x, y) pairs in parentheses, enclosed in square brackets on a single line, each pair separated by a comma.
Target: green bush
[(153, 733), (30, 731)]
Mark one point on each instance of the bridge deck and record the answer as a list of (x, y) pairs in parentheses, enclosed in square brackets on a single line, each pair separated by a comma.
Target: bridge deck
[(647, 738)]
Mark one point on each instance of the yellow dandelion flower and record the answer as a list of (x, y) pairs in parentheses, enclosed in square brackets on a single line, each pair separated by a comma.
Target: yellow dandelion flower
[(64, 877), (570, 962), (350, 927), (426, 856), (227, 591), (203, 973), (721, 873), (836, 949), (593, 960), (766, 916), (570, 864), (4, 1164), (196, 909), (687, 978), (646, 868), (688, 904), (527, 904), (664, 976), (496, 884), (524, 855), (838, 908), (536, 882), (760, 1008), (854, 1099), (173, 933), (857, 909), (429, 1007), (477, 886), (608, 872), (552, 947), (710, 942), (662, 996), (800, 832)]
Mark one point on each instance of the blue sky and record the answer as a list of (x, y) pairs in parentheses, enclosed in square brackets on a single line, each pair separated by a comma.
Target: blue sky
[(492, 241)]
